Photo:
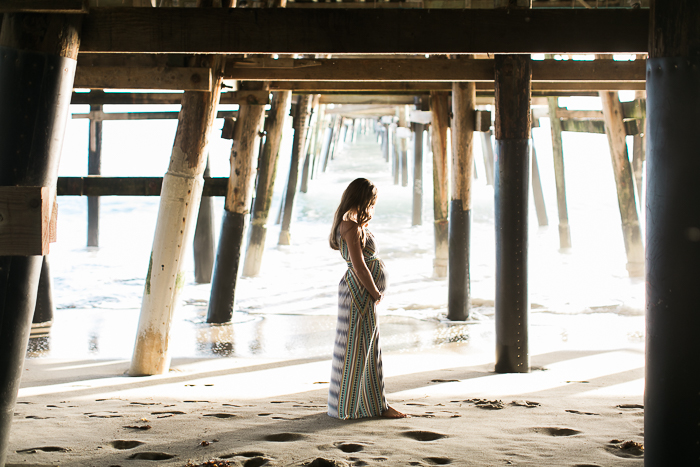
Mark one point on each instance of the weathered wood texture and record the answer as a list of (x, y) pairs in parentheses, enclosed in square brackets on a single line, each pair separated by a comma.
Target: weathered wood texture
[(53, 34), (282, 31), (177, 214), (631, 230), (562, 88), (128, 186), (463, 125), (267, 171), (512, 72), (185, 78), (44, 6), (235, 97), (25, 220), (439, 102), (245, 142), (559, 174), (407, 70), (671, 34), (301, 123)]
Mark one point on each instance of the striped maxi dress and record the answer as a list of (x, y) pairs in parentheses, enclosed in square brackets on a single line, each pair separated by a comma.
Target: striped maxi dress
[(357, 381)]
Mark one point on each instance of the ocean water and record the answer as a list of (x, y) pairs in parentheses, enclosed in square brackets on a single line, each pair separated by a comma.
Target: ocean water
[(580, 298)]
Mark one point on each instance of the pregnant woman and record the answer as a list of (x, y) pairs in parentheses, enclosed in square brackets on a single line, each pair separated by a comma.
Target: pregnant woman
[(357, 383)]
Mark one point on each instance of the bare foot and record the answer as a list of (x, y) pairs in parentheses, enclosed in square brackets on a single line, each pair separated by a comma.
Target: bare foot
[(393, 413)]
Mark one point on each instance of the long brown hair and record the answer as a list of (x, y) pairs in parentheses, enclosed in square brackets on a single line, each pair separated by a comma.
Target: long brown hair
[(357, 197)]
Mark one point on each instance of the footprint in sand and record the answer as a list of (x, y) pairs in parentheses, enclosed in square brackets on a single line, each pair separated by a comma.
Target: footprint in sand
[(554, 431), (36, 417), (321, 462), (423, 435), (243, 454), (350, 447), (152, 456), (168, 412), (126, 444), (586, 465), (626, 449), (438, 460), (630, 406), (581, 413), (220, 415), (44, 449), (254, 458), (284, 437)]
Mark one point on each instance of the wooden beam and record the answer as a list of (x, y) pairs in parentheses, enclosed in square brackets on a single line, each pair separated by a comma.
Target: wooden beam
[(44, 6), (168, 115), (111, 98), (321, 31), (366, 99), (128, 186), (407, 70), (118, 77)]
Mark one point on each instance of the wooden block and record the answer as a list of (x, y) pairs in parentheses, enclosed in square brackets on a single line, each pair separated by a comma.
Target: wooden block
[(25, 219), (117, 77), (227, 130), (483, 120)]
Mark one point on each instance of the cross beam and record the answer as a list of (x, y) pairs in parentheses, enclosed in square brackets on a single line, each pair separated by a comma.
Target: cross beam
[(324, 31)]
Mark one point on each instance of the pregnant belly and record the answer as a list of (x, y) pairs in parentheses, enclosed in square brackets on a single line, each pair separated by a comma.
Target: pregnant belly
[(379, 274)]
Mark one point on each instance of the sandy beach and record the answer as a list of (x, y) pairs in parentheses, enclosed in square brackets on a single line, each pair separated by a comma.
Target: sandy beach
[(253, 392)]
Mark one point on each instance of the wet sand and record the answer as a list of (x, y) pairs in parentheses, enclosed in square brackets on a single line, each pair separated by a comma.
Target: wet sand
[(575, 408)]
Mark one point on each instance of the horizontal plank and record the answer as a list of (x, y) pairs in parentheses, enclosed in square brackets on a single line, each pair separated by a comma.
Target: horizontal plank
[(346, 31), (368, 99), (119, 77), (589, 88), (118, 98), (128, 186), (406, 70), (632, 127), (44, 6), (168, 115)]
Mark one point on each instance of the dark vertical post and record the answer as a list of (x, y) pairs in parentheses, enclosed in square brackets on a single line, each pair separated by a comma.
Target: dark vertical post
[(673, 236), (559, 179), (203, 244), (267, 170), (624, 181), (396, 157), (301, 121), (463, 124), (440, 117), (327, 141), (94, 168), (236, 213), (418, 175), (512, 89), (385, 142), (37, 64), (307, 140), (403, 144), (43, 312)]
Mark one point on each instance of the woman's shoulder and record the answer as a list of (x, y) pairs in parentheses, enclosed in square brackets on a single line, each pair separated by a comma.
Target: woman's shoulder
[(348, 226)]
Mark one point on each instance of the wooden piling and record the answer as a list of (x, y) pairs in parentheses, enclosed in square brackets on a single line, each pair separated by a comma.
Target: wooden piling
[(267, 170), (512, 90), (403, 145), (395, 155), (94, 168), (537, 193), (439, 110), (417, 212), (487, 151), (327, 142), (179, 204), (463, 124), (301, 121), (204, 241), (631, 230), (318, 138), (307, 143), (639, 152), (672, 370), (43, 311), (236, 213), (37, 67), (559, 178), (385, 142)]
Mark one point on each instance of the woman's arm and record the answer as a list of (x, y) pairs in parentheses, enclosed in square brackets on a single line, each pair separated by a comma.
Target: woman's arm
[(350, 232)]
